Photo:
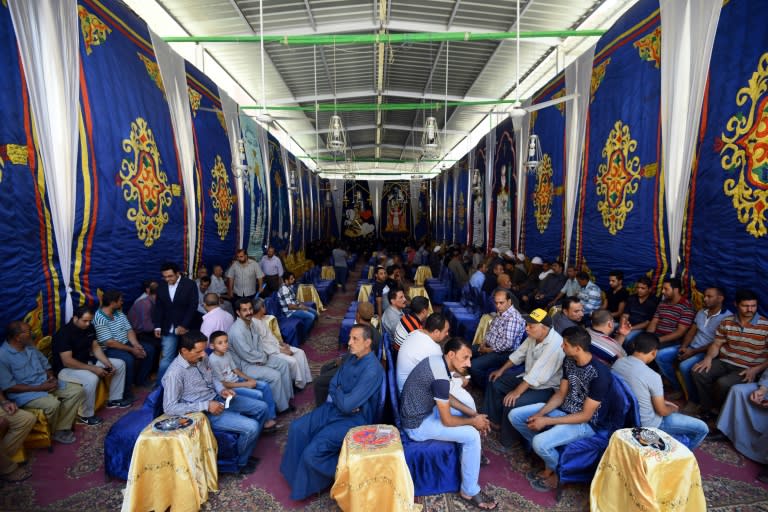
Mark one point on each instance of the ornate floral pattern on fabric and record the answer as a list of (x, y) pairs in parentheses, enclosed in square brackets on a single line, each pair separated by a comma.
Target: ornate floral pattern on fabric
[(649, 47), (144, 184), (462, 212), (559, 106), (220, 117), (221, 197), (35, 317), (194, 100), (153, 70), (617, 178), (94, 30), (598, 74), (542, 194), (743, 148), (13, 153)]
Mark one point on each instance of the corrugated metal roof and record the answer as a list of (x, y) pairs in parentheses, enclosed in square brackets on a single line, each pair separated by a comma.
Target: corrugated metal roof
[(412, 72)]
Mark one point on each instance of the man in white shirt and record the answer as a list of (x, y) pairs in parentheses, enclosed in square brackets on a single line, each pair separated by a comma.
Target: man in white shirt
[(421, 343)]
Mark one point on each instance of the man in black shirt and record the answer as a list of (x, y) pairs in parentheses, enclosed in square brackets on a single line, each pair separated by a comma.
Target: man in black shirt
[(616, 296), (378, 290), (72, 362), (640, 308)]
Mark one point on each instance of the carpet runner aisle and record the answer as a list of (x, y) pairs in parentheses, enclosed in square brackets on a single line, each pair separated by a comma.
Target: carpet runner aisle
[(72, 477)]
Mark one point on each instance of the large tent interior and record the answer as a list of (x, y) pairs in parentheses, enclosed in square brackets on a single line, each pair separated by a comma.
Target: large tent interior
[(608, 134)]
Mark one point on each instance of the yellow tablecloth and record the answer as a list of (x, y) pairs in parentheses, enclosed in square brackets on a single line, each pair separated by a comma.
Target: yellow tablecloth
[(364, 293), (482, 328), (372, 473), (422, 274), (308, 293), (419, 291), (274, 326), (327, 272), (172, 469), (370, 271), (632, 476)]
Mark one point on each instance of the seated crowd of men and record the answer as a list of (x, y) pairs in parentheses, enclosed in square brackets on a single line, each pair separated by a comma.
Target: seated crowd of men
[(544, 373), (168, 330)]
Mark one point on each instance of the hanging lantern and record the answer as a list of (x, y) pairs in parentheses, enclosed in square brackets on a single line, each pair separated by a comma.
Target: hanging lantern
[(534, 154), (328, 200), (430, 140), (337, 139)]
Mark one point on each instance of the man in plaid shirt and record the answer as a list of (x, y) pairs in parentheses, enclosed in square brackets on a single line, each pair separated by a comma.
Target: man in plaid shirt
[(291, 306), (505, 333)]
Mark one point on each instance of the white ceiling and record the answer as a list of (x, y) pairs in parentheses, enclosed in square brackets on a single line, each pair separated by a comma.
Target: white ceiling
[(386, 143)]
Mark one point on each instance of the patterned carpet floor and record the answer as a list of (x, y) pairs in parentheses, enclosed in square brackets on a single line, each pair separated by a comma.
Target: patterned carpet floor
[(72, 477)]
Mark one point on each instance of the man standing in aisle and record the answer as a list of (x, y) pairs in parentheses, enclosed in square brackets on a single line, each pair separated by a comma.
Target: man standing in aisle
[(272, 268), (175, 310), (339, 258), (244, 276)]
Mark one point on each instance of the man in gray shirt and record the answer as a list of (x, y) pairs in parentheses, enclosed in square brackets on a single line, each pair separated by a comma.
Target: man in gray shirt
[(189, 386), (339, 259), (392, 315), (647, 387), (250, 358)]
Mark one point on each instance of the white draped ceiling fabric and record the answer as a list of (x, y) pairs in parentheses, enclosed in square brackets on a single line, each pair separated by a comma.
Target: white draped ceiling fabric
[(456, 172), (686, 47), (522, 129), (286, 232), (376, 188), (578, 78), (47, 32), (232, 120), (266, 161), (174, 76), (415, 190), (490, 153)]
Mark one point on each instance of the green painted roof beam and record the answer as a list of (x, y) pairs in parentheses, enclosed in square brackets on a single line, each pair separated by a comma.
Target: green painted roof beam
[(411, 37)]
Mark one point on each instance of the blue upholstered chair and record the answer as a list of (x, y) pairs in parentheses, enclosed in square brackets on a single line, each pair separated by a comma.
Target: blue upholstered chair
[(434, 465), (122, 436), (579, 460), (291, 328)]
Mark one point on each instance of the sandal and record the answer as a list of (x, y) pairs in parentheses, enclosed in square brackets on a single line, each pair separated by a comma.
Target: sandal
[(543, 484), (478, 500), (533, 475)]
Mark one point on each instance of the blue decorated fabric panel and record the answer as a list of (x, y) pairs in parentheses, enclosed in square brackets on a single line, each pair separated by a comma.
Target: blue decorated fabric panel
[(216, 190), (281, 220), (543, 219), (256, 200), (30, 276), (504, 188), (728, 230), (449, 206), (357, 221), (130, 205), (395, 210), (618, 203), (462, 205)]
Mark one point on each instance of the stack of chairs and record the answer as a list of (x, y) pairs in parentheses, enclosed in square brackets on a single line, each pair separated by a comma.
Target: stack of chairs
[(439, 289), (464, 314)]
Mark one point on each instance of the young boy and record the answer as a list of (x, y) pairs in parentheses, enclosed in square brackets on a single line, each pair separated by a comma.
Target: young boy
[(224, 369)]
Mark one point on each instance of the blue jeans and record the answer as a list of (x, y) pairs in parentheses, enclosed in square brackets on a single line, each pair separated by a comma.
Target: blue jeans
[(307, 318), (677, 423), (484, 364), (467, 436), (262, 392), (666, 358), (546, 442), (341, 275), (168, 352), (136, 370), (245, 417)]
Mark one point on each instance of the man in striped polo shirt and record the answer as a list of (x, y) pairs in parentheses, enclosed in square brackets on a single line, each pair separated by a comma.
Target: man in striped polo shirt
[(118, 340), (673, 316), (738, 354)]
